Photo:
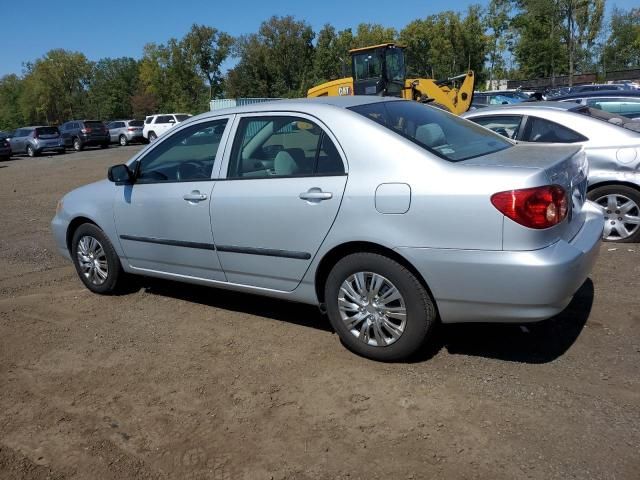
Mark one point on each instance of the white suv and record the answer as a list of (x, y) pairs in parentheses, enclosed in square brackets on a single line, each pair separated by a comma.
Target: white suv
[(156, 125)]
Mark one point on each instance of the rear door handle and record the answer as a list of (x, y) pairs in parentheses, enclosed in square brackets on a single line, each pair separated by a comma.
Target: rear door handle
[(195, 196), (315, 195)]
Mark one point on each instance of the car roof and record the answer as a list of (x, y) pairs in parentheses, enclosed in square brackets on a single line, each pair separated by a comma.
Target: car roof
[(599, 93), (547, 105)]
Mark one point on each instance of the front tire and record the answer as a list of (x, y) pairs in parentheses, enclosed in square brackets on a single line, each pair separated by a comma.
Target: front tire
[(96, 261), (378, 308), (123, 141), (621, 207)]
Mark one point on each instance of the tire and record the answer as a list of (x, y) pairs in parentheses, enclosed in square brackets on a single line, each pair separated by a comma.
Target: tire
[(31, 152), (109, 277), (619, 203), (379, 342), (152, 137), (123, 141), (77, 145)]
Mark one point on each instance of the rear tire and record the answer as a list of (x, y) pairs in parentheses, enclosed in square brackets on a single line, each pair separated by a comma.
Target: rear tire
[(77, 145), (123, 141), (96, 261), (31, 152), (621, 206), (378, 325), (152, 137)]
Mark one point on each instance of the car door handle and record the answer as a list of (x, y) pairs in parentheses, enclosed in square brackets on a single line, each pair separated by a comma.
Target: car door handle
[(315, 194), (195, 196)]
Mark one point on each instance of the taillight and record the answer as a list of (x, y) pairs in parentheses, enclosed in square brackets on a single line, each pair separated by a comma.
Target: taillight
[(539, 207), (131, 129), (86, 130)]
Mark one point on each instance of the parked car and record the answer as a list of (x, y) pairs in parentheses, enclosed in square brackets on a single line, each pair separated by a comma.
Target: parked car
[(156, 125), (36, 140), (125, 132), (481, 98), (611, 142), (78, 134), (390, 214), (5, 146), (599, 87), (624, 103)]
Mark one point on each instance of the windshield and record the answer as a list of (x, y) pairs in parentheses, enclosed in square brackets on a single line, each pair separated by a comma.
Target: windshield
[(395, 65), (441, 133), (612, 118), (182, 118), (367, 65)]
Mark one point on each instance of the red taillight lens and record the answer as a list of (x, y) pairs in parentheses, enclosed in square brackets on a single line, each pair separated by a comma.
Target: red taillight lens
[(539, 207), (131, 129)]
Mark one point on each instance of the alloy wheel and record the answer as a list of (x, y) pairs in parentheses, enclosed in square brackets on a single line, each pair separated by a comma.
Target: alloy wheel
[(92, 260), (372, 308), (621, 216)]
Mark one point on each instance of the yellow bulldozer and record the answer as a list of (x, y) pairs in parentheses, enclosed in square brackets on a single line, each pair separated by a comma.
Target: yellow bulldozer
[(380, 70)]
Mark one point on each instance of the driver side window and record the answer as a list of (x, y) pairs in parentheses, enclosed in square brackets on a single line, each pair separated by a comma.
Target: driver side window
[(187, 155)]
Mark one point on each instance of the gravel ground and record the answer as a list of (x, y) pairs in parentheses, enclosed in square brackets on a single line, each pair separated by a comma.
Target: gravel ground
[(177, 381)]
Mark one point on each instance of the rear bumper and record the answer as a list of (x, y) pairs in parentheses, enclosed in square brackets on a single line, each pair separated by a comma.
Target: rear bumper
[(95, 140), (509, 286), (49, 148)]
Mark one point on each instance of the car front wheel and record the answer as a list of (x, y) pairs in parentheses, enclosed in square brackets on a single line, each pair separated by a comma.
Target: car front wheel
[(95, 259), (378, 307), (621, 207)]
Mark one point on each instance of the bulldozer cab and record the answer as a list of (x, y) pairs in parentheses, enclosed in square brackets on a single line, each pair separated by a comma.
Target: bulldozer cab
[(378, 70)]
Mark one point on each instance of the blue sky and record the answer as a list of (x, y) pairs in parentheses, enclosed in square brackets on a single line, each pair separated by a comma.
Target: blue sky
[(115, 28)]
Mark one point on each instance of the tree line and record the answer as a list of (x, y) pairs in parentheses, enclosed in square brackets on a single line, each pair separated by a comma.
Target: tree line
[(515, 39)]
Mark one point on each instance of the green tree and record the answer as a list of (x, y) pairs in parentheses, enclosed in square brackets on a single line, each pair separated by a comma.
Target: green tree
[(209, 48), (275, 62), (369, 34), (498, 24), (331, 59), (11, 90), (55, 87), (110, 88), (622, 46)]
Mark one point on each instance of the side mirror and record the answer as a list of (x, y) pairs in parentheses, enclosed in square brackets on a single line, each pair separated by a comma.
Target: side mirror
[(120, 174)]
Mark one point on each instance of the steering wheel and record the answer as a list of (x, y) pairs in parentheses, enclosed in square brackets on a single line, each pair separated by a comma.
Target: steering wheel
[(190, 171)]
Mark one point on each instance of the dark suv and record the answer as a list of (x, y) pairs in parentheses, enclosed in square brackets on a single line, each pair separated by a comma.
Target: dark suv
[(84, 133)]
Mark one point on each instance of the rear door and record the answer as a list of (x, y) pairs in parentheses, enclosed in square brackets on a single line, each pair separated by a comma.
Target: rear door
[(163, 219), (284, 184)]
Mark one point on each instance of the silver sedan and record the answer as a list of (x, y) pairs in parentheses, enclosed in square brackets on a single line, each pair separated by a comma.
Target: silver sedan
[(611, 142), (388, 214)]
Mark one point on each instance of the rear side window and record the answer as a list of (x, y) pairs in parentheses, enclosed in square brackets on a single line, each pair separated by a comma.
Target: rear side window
[(47, 131), (163, 119), (447, 136), (627, 107), (148, 120), (505, 125), (282, 146), (546, 131)]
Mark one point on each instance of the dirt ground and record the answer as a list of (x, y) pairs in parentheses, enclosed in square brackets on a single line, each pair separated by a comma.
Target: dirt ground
[(177, 381)]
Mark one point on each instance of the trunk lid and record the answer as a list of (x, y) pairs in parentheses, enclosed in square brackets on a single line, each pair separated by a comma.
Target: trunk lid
[(536, 165)]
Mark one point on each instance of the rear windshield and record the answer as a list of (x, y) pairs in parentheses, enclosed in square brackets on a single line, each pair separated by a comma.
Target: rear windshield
[(441, 133), (93, 124), (136, 123), (47, 130), (182, 118), (612, 118)]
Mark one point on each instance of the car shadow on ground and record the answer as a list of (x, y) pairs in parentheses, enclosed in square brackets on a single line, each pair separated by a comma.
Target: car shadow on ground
[(536, 343)]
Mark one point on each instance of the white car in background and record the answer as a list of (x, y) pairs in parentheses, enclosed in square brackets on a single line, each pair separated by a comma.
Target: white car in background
[(156, 125)]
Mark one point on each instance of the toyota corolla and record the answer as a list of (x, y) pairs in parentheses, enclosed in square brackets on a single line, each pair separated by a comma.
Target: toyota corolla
[(389, 214)]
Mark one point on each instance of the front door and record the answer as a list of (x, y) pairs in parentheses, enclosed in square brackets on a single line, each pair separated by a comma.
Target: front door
[(163, 219), (284, 184)]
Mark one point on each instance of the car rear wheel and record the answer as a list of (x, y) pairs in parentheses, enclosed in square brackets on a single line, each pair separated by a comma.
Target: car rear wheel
[(152, 136), (95, 259), (621, 207), (77, 145), (379, 308), (31, 151), (123, 140)]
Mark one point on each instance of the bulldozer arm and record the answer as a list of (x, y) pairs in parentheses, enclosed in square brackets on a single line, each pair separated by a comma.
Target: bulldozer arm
[(442, 93)]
